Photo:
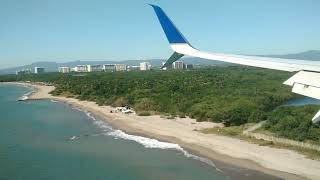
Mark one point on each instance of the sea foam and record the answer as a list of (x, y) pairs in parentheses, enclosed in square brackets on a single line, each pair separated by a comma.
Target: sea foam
[(153, 143), (26, 95), (144, 141)]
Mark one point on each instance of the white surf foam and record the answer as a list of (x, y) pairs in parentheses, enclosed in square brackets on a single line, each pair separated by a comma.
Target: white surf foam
[(99, 123), (146, 142), (89, 114), (23, 98), (26, 95), (153, 143)]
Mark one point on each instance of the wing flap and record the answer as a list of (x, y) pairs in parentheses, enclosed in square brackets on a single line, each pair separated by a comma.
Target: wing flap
[(306, 90), (306, 78), (305, 83)]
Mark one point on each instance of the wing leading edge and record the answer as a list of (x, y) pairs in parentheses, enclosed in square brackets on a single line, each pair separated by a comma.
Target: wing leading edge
[(306, 82)]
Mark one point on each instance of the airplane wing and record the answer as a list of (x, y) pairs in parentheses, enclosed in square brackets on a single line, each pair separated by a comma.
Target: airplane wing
[(305, 82)]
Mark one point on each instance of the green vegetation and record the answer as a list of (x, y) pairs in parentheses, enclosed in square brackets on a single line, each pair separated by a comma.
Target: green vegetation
[(232, 131), (294, 123)]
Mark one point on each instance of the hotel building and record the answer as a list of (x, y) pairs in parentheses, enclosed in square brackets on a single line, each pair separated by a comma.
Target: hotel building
[(121, 67), (64, 69), (39, 70), (145, 66)]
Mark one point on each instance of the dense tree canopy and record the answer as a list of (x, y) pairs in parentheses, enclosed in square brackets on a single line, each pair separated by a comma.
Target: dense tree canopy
[(295, 123)]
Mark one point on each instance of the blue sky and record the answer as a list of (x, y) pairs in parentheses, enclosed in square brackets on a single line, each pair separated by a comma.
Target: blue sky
[(67, 30)]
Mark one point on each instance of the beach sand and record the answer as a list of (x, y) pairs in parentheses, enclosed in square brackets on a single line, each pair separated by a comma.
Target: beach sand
[(282, 163)]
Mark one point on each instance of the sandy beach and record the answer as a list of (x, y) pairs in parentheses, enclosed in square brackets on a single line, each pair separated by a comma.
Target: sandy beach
[(279, 162)]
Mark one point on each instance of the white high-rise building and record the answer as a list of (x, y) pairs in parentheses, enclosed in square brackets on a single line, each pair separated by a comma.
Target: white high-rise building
[(178, 65), (81, 68), (145, 66), (94, 68), (121, 67), (109, 67), (64, 69), (38, 70), (188, 66)]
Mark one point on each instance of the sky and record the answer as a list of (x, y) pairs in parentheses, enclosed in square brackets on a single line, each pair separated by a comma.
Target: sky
[(68, 30)]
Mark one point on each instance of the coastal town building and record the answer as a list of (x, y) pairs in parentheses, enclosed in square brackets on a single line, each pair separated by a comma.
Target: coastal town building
[(39, 70), (64, 69), (178, 65), (121, 67), (145, 66), (99, 68), (81, 68), (188, 66), (109, 67), (95, 68), (23, 72)]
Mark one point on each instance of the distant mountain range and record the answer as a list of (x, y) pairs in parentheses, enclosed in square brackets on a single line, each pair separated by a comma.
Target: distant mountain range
[(313, 55)]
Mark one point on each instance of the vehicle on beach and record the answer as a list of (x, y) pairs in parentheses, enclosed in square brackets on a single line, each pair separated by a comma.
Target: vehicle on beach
[(125, 110)]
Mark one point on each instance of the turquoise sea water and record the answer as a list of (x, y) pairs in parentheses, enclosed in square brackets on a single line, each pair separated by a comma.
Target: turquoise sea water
[(34, 145)]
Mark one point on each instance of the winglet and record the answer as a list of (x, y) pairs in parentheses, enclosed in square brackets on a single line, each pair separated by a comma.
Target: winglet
[(174, 36), (174, 57)]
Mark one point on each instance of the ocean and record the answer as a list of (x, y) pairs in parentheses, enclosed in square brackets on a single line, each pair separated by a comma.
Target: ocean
[(35, 144)]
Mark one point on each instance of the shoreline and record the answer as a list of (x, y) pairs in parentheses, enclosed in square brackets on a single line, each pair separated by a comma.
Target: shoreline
[(222, 150)]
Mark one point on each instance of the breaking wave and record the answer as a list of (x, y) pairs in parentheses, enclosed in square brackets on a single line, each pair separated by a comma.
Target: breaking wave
[(153, 143), (144, 141), (26, 95)]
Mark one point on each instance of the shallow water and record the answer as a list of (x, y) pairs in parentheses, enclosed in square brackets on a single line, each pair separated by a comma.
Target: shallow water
[(34, 144)]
